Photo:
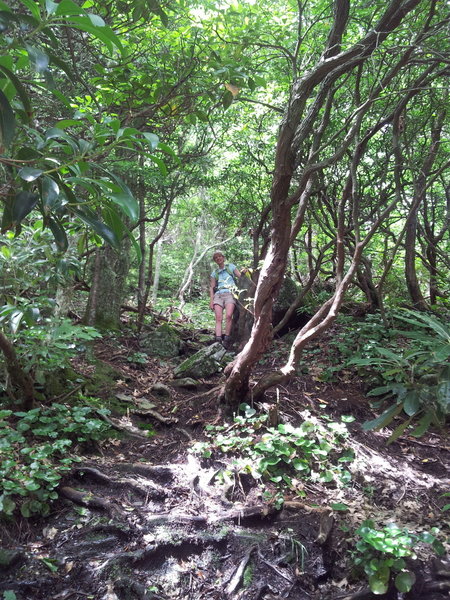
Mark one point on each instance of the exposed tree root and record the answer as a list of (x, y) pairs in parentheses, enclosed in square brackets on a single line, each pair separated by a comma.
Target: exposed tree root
[(238, 574), (129, 431), (92, 473), (147, 489), (88, 499), (250, 512), (115, 530), (148, 412), (162, 472)]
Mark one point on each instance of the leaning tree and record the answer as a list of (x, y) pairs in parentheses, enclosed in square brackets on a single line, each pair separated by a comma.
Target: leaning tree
[(374, 60)]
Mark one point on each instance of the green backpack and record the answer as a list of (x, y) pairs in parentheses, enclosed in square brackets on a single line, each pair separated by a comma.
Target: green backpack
[(215, 274)]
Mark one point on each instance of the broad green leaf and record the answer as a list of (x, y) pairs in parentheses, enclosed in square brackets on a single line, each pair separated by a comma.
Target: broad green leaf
[(114, 220), (100, 228), (389, 354), (135, 244), (68, 7), (127, 203), (33, 7), (50, 7), (398, 431), (7, 122), (411, 403), (168, 150), (423, 320), (59, 234), (104, 34), (54, 133), (61, 64), (380, 391), (339, 506), (7, 506), (7, 19), (15, 319), (442, 353), (161, 164), (423, 426), (96, 20), (404, 581), (162, 15), (378, 586), (39, 59), (86, 183), (31, 315), (152, 139), (227, 99), (443, 397), (20, 91), (260, 81), (50, 192), (202, 116), (384, 419), (67, 123), (23, 204), (29, 173)]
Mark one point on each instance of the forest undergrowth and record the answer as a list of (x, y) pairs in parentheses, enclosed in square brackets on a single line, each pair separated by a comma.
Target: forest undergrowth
[(162, 494)]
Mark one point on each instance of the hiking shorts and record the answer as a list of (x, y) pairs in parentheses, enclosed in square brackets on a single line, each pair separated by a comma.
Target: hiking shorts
[(223, 298)]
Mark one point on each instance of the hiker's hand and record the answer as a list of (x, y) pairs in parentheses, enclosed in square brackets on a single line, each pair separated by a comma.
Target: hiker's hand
[(211, 305)]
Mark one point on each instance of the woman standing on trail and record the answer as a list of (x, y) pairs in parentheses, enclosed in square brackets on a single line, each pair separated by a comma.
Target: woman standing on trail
[(222, 282)]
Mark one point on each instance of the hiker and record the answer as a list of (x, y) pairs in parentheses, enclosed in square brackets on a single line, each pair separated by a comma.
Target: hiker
[(222, 282)]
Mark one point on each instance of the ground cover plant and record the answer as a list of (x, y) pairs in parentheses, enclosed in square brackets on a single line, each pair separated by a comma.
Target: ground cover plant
[(416, 376), (381, 553), (37, 448), (284, 455), (244, 495)]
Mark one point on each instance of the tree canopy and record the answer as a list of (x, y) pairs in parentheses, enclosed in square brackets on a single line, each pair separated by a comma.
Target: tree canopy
[(309, 137)]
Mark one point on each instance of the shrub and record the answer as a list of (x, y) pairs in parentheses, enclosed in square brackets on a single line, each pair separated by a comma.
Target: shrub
[(416, 376), (381, 553)]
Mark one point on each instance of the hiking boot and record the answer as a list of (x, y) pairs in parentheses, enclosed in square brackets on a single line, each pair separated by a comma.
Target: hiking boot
[(226, 341)]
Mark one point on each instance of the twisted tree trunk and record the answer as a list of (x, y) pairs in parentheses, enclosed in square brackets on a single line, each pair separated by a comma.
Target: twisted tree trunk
[(20, 384)]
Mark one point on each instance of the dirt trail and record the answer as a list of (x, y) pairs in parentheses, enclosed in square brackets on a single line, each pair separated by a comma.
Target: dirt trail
[(145, 518)]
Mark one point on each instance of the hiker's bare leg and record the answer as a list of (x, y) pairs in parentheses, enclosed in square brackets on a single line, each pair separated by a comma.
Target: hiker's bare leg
[(229, 309), (218, 311)]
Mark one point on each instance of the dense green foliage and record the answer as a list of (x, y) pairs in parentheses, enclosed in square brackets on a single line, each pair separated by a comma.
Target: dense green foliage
[(37, 448), (284, 455), (381, 553)]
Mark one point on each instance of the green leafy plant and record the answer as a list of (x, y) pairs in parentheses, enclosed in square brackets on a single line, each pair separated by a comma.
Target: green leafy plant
[(282, 455), (381, 554), (416, 376), (138, 358), (49, 346), (34, 453), (352, 337)]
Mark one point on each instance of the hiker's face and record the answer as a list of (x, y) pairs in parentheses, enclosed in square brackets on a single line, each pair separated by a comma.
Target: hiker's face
[(219, 259)]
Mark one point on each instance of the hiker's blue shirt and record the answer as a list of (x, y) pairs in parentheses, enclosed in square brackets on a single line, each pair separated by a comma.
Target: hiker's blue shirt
[(224, 277)]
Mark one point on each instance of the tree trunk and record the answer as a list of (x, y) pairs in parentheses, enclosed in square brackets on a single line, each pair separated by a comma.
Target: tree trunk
[(106, 295), (157, 270), (301, 123), (20, 385), (420, 191)]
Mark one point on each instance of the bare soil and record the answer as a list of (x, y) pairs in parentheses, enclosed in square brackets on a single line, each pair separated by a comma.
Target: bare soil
[(143, 517)]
